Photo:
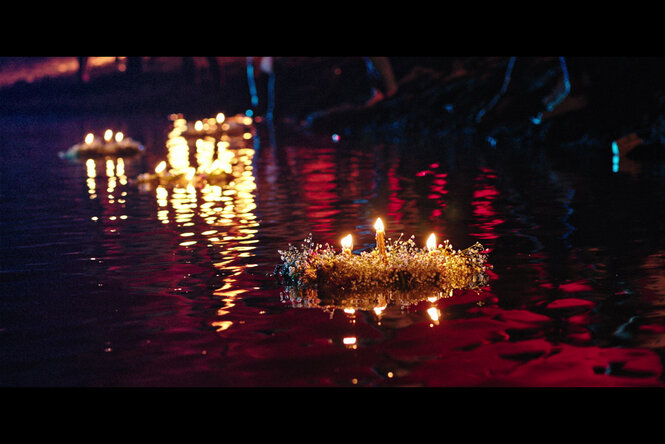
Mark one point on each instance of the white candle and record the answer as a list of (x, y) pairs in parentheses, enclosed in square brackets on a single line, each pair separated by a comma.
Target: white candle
[(380, 237)]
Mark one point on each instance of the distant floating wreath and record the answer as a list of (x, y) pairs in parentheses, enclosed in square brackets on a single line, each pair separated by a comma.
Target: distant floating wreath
[(113, 145)]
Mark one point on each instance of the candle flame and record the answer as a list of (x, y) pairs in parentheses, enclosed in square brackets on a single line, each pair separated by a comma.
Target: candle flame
[(378, 226), (379, 310), (347, 242), (108, 135), (220, 117), (119, 136), (431, 242), (434, 313), (89, 138), (161, 167)]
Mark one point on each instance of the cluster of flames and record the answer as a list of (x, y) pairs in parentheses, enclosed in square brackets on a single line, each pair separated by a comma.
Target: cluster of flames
[(393, 271), (112, 144), (214, 158)]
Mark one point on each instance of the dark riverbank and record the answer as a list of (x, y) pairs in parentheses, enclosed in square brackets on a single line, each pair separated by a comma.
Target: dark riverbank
[(608, 98)]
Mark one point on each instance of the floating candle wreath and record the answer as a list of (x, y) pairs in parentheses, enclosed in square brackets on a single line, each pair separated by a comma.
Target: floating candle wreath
[(217, 174), (110, 145), (394, 269), (231, 126)]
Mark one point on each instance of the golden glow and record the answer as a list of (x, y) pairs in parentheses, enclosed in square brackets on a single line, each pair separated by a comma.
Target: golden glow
[(378, 226), (112, 192), (178, 153), (119, 136), (347, 243), (431, 242), (224, 155), (434, 313), (349, 340), (219, 214), (161, 192), (160, 167), (190, 174), (120, 167), (108, 135), (222, 325), (90, 167), (205, 151), (89, 138), (110, 167)]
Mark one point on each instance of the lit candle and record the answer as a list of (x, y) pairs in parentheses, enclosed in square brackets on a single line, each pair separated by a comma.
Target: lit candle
[(159, 169), (89, 138), (108, 135), (380, 239), (431, 243), (119, 136), (434, 314), (347, 244)]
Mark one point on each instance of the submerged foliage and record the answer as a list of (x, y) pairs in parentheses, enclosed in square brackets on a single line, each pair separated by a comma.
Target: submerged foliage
[(315, 270)]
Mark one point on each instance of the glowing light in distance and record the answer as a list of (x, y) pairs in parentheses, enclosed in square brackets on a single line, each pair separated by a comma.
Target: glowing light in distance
[(90, 167), (119, 136), (433, 313), (379, 310), (108, 135), (160, 167), (89, 138)]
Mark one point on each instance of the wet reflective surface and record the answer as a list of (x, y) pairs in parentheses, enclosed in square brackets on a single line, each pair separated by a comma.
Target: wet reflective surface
[(109, 283)]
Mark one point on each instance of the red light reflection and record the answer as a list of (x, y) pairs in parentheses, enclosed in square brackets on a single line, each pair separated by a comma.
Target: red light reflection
[(484, 195)]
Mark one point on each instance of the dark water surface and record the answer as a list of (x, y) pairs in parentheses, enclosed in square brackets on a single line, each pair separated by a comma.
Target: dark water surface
[(108, 284)]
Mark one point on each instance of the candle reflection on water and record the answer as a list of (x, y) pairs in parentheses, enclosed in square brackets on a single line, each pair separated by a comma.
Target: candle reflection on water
[(208, 215)]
